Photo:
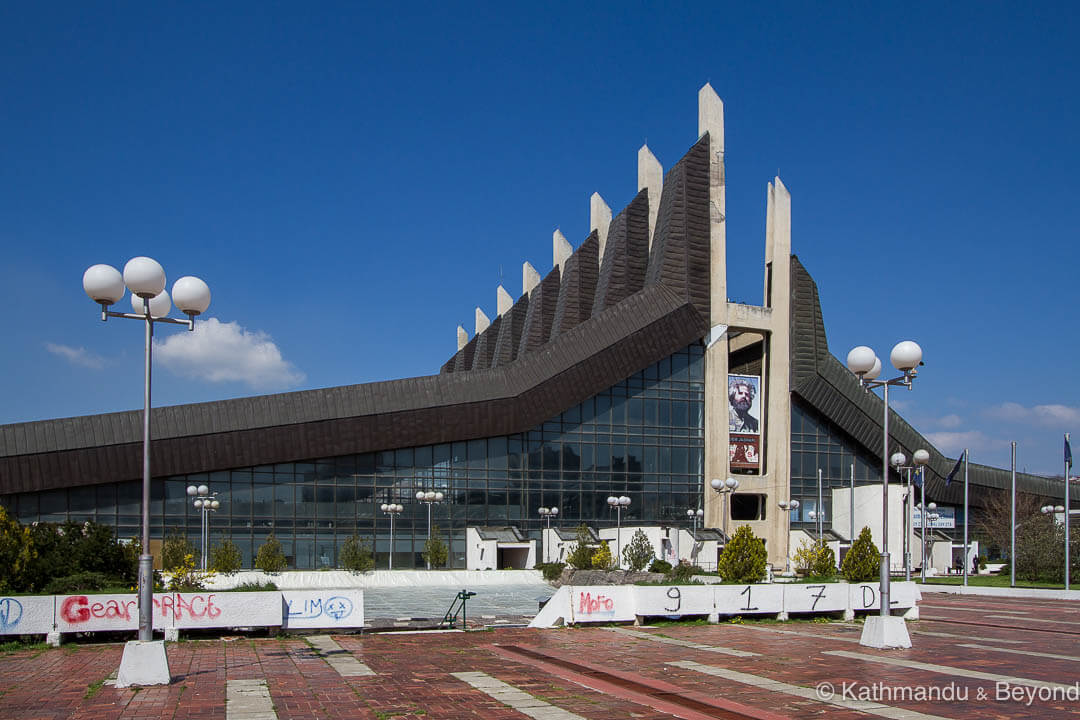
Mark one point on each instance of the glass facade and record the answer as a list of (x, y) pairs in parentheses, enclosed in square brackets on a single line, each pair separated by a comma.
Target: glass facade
[(817, 443), (643, 438)]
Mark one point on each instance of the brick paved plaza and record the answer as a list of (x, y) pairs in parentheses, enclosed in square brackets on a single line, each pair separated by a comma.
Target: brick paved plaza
[(974, 657)]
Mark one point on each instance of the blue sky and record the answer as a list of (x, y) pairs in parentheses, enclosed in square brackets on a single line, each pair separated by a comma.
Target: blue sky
[(352, 181)]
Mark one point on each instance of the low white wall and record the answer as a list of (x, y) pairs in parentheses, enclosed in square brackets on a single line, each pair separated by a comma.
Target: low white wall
[(315, 579), (625, 603)]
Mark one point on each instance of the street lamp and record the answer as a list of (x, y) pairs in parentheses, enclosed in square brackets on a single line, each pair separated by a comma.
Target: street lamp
[(929, 516), (207, 503), (429, 498), (724, 488), (791, 506), (906, 356), (392, 510), (547, 514), (617, 504), (899, 461), (150, 303), (695, 516)]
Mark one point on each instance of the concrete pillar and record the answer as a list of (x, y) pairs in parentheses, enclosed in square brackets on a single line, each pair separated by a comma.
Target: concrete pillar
[(482, 322), (711, 121), (529, 278), (561, 250), (462, 337), (650, 176), (503, 301), (599, 220)]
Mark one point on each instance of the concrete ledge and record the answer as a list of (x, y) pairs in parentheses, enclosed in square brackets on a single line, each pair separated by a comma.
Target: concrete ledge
[(1002, 592)]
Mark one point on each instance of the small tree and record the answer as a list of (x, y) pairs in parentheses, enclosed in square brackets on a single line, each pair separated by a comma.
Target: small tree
[(580, 558), (815, 558), (863, 561), (173, 551), (356, 555), (744, 557), (435, 551), (15, 552), (602, 559), (639, 552), (270, 557), (225, 557)]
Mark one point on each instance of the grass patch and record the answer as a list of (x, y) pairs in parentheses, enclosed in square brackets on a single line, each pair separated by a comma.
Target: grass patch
[(14, 646), (992, 581), (94, 688)]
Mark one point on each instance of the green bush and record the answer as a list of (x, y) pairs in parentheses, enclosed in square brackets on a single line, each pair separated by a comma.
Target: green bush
[(744, 557), (175, 548), (863, 561), (639, 552), (254, 586), (602, 559), (816, 559), (435, 551), (552, 570), (271, 558), (16, 553), (682, 572), (660, 566), (580, 558), (225, 557), (77, 583), (356, 555)]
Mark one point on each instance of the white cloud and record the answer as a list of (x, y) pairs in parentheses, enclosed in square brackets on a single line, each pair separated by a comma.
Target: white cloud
[(952, 443), (1052, 416), (225, 352), (950, 421), (77, 356)]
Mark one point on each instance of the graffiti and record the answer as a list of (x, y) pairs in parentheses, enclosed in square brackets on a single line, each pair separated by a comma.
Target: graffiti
[(746, 592), (78, 609), (336, 607), (11, 612), (588, 605), (873, 596), (675, 594), (196, 606), (817, 597)]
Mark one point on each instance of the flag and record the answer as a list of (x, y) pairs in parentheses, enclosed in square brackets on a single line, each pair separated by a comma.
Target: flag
[(918, 479), (955, 469), (1068, 451)]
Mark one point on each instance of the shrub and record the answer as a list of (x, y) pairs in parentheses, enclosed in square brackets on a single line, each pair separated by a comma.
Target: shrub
[(660, 566), (682, 572), (863, 561), (186, 578), (744, 557), (580, 558), (225, 557), (815, 558), (16, 553), (77, 583), (173, 551), (435, 551), (639, 552), (255, 586), (602, 559), (552, 570), (356, 555), (271, 558)]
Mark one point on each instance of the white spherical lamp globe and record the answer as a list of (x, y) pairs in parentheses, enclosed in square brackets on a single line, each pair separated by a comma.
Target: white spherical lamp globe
[(215, 504), (689, 513), (192, 490), (921, 457), (420, 495), (398, 508), (898, 459), (612, 500), (732, 483), (104, 284), (874, 371), (624, 501), (860, 360), (191, 295), (439, 497), (144, 276), (716, 483), (160, 305), (554, 511), (383, 507), (203, 490), (197, 503), (906, 356)]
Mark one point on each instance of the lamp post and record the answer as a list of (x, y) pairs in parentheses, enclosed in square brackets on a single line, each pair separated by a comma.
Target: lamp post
[(429, 498), (150, 303), (547, 514), (899, 461), (694, 516), (724, 488), (790, 506), (906, 356), (392, 510), (617, 504), (928, 516), (207, 503)]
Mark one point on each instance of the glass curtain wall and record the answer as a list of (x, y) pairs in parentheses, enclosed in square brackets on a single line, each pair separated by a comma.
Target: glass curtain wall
[(643, 437)]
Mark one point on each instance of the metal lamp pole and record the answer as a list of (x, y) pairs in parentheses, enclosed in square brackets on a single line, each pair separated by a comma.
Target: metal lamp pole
[(429, 498), (790, 506), (694, 516), (145, 278), (392, 510), (906, 357), (724, 488), (206, 503), (547, 514), (617, 504), (926, 518), (899, 461)]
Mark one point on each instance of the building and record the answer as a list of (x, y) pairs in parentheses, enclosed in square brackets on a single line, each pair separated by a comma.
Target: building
[(624, 370)]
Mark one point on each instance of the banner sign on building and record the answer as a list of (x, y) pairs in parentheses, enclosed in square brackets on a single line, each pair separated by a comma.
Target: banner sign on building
[(946, 518), (743, 451), (744, 404)]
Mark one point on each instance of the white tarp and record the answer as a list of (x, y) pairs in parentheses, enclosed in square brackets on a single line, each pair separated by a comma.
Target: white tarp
[(341, 608)]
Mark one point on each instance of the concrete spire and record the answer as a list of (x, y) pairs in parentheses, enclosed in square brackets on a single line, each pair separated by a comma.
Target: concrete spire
[(561, 250), (710, 116), (529, 278), (462, 337), (599, 220), (503, 300), (482, 322), (650, 175)]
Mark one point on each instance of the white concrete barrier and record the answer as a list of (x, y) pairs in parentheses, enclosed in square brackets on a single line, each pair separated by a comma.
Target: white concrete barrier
[(26, 615), (322, 609)]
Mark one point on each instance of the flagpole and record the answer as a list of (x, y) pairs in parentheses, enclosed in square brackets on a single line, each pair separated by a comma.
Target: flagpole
[(1068, 464), (1012, 523), (967, 519)]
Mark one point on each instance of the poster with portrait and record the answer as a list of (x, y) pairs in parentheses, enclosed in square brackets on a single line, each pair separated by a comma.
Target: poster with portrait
[(744, 404)]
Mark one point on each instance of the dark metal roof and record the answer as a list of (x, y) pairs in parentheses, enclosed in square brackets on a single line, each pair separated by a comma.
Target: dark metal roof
[(508, 534)]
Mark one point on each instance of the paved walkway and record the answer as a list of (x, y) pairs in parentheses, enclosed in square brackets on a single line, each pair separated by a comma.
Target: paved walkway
[(973, 657)]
